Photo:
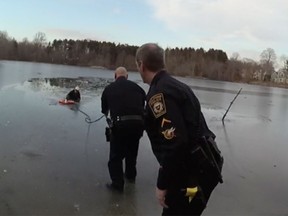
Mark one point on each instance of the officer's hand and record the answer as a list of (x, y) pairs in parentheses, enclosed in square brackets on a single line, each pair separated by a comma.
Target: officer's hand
[(160, 195)]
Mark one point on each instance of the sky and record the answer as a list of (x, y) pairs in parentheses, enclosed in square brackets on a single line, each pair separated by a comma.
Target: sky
[(246, 27)]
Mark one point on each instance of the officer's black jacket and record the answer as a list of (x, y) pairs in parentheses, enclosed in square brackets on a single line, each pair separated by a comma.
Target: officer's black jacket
[(173, 123), (123, 97)]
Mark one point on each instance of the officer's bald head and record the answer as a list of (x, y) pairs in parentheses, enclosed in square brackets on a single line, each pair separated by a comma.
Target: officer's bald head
[(121, 72)]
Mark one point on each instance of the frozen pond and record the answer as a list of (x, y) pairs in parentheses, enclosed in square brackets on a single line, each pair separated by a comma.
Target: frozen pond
[(52, 162)]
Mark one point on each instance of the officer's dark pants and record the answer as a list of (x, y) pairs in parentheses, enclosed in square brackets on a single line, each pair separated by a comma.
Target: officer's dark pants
[(124, 145), (180, 205)]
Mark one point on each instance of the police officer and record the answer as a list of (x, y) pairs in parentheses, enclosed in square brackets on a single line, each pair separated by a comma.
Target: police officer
[(125, 101), (174, 124)]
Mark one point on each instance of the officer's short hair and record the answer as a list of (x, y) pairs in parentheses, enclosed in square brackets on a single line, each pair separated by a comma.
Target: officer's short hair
[(152, 56)]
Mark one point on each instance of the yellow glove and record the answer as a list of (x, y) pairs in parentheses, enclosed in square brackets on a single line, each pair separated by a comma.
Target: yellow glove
[(191, 192)]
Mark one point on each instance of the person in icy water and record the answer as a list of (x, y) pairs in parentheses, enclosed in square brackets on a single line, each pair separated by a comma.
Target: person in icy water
[(74, 95)]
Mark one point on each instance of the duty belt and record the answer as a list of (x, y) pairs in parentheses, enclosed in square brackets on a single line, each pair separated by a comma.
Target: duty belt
[(129, 117)]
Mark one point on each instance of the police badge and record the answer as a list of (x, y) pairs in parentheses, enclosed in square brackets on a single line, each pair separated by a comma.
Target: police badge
[(157, 105)]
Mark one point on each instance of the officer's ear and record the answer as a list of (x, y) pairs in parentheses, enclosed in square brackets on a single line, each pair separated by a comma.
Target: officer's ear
[(140, 65)]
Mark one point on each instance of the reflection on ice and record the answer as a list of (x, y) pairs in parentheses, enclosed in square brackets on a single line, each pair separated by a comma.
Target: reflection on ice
[(244, 92)]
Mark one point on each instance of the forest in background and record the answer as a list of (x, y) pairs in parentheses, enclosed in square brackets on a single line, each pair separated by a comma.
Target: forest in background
[(211, 64)]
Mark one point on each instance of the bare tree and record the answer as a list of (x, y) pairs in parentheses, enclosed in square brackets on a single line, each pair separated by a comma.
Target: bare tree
[(284, 60), (4, 45), (39, 51), (40, 39), (268, 60), (268, 56), (235, 56)]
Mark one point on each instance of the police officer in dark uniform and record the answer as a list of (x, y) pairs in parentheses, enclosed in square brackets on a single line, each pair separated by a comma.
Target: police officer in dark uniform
[(125, 101), (175, 126)]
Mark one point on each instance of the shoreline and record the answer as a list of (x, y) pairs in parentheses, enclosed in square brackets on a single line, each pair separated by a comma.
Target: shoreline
[(253, 82)]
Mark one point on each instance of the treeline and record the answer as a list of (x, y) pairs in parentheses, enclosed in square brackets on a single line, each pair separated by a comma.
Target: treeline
[(212, 64)]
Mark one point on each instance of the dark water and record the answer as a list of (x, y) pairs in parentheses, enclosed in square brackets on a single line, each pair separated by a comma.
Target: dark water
[(52, 162)]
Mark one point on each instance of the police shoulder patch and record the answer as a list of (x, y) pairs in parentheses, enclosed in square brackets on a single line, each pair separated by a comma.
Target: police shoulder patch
[(157, 105)]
